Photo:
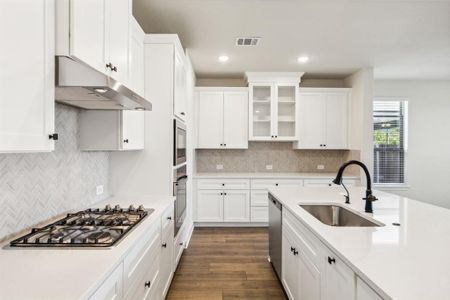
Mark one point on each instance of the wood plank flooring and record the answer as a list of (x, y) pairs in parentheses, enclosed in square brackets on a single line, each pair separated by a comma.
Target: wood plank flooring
[(226, 263)]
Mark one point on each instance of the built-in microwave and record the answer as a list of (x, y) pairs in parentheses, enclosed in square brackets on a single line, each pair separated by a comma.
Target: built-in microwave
[(179, 142)]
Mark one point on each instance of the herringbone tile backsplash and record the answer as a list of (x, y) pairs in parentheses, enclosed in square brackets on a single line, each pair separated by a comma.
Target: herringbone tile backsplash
[(37, 186)]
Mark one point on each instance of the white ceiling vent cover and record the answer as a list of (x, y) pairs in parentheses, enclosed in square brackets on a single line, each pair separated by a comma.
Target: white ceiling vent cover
[(247, 41)]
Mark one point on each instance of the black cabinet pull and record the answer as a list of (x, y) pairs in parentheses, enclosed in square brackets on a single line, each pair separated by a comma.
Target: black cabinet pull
[(109, 66), (181, 243), (164, 245), (225, 145), (147, 284), (223, 184), (221, 193), (292, 249), (114, 69), (331, 260), (169, 218), (276, 184), (125, 141), (295, 252), (182, 113), (225, 194), (53, 136)]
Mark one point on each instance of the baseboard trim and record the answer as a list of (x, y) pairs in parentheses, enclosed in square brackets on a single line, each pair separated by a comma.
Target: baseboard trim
[(221, 224)]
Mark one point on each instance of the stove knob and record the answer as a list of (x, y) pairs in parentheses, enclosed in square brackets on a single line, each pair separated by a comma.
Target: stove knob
[(141, 208), (107, 207), (117, 207), (131, 208)]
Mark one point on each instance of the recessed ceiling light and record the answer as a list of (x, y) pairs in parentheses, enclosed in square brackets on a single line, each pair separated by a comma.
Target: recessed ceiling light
[(302, 59), (223, 58)]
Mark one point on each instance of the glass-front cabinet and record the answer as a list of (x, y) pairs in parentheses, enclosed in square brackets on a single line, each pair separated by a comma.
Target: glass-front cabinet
[(272, 104)]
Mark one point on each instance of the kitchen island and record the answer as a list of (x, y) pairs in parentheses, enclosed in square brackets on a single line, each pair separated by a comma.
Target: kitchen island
[(406, 258)]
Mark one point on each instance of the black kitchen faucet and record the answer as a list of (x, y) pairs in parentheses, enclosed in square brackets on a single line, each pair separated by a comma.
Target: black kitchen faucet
[(369, 197)]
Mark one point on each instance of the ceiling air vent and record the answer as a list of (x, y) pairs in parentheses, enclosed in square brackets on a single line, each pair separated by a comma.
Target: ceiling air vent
[(247, 41)]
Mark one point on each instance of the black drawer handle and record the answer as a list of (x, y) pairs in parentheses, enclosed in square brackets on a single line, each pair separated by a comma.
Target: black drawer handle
[(295, 252), (169, 218), (164, 245), (331, 260), (292, 249), (53, 136), (147, 284), (125, 141)]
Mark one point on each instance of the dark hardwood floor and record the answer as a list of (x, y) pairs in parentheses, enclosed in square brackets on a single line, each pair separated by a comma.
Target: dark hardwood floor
[(226, 263)]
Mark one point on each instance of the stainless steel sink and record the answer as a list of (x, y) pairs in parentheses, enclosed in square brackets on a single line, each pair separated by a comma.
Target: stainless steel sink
[(335, 215)]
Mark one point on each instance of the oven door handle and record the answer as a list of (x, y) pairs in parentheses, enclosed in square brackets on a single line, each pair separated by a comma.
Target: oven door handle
[(181, 177)]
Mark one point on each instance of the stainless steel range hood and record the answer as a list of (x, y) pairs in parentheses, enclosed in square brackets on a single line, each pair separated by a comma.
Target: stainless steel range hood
[(81, 86)]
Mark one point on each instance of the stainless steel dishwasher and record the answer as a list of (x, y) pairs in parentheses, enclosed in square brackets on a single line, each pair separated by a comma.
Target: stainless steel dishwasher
[(275, 210)]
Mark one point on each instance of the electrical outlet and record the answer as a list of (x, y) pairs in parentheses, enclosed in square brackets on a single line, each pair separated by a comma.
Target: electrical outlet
[(219, 167), (99, 190), (269, 167), (320, 167)]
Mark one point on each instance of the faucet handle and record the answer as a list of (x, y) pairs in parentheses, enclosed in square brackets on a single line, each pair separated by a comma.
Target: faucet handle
[(370, 198)]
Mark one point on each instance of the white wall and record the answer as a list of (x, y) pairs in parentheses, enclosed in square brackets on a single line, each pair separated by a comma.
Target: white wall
[(428, 156)]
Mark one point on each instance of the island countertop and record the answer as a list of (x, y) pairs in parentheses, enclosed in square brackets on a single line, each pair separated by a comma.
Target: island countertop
[(406, 262)]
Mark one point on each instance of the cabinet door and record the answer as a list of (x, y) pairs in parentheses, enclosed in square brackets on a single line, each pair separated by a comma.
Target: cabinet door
[(309, 279), (179, 101), (336, 121), (210, 206), (133, 130), (311, 121), (236, 206), (235, 120), (136, 62), (210, 120), (111, 288), (290, 266), (261, 111), (339, 280), (284, 103), (27, 75), (87, 32), (365, 292), (118, 33), (166, 263)]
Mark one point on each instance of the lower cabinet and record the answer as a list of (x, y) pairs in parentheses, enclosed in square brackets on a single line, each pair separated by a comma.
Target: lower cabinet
[(111, 288), (209, 206), (223, 206), (310, 271), (166, 261)]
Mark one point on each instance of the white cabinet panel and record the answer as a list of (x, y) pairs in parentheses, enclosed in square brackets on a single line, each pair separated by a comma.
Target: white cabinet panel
[(118, 15), (166, 262), (87, 36), (210, 206), (180, 96), (27, 75), (235, 120), (260, 198), (336, 121), (217, 184), (111, 288), (259, 214), (364, 292), (136, 60), (268, 183), (290, 266), (133, 129), (236, 206), (340, 279), (210, 120), (309, 279), (311, 121)]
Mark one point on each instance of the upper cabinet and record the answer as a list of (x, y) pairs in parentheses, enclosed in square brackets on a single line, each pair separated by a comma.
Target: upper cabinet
[(136, 62), (96, 32), (322, 118), (27, 78), (272, 106), (222, 118), (180, 92)]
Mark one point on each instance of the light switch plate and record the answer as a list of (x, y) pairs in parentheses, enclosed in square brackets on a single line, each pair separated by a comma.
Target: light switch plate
[(99, 190), (219, 167), (320, 167), (269, 167)]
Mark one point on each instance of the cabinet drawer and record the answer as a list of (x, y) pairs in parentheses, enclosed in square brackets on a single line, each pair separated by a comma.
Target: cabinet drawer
[(147, 284), (259, 214), (229, 184), (142, 256), (111, 288), (259, 198), (309, 244), (167, 219), (317, 182), (273, 182)]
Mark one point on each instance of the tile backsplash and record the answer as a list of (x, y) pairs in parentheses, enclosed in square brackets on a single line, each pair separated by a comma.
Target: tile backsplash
[(37, 186), (279, 155)]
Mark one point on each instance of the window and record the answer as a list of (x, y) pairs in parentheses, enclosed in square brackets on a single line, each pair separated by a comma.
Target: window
[(390, 139)]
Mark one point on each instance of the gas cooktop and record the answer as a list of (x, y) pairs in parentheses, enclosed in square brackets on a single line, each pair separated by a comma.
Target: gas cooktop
[(90, 228)]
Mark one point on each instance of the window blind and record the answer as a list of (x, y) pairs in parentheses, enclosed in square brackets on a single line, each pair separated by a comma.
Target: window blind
[(389, 119)]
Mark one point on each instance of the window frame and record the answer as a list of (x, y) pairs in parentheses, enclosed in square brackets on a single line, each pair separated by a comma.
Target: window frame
[(405, 184)]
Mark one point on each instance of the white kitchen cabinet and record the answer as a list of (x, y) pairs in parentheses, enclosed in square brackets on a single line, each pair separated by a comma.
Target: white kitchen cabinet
[(222, 118), (236, 206), (111, 288), (96, 32), (180, 92), (27, 78), (111, 130), (136, 59), (209, 206), (365, 292), (272, 106), (166, 262), (322, 118), (290, 267), (339, 279)]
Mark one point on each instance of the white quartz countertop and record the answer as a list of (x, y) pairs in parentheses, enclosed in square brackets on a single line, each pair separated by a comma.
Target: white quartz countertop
[(409, 262), (270, 175), (52, 273)]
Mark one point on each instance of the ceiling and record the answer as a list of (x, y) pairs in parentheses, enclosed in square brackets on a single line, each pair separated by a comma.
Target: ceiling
[(399, 39)]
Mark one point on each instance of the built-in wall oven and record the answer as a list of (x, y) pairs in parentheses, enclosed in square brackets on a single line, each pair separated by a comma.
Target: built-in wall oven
[(179, 191), (179, 142)]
